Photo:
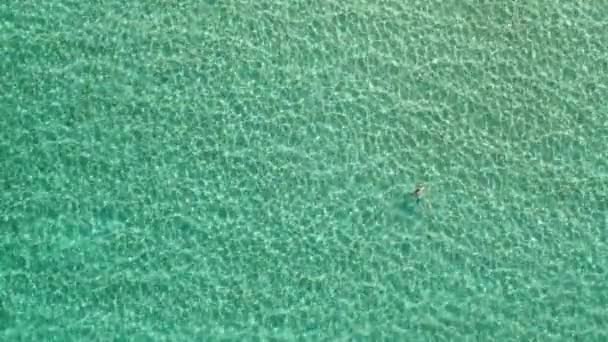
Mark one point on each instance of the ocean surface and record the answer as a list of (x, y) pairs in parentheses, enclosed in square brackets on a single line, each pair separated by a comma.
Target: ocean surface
[(242, 170)]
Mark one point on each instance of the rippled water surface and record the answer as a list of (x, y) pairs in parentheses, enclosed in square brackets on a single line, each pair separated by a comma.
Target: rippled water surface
[(240, 170)]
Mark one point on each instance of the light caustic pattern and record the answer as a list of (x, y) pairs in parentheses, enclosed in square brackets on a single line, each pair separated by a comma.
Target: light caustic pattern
[(242, 169)]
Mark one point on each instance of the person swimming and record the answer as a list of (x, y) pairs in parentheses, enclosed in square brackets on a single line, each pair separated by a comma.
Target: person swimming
[(418, 192)]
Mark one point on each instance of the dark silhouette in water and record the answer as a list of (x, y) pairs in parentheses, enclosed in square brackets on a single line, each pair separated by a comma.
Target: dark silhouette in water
[(409, 204), (418, 192)]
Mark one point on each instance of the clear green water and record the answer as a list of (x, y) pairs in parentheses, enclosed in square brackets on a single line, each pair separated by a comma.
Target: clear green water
[(239, 170)]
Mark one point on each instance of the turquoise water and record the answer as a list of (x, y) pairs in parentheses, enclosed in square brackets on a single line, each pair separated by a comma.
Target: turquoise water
[(240, 170)]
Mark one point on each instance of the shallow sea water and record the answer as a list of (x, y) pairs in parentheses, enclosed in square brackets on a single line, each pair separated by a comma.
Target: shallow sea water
[(240, 170)]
